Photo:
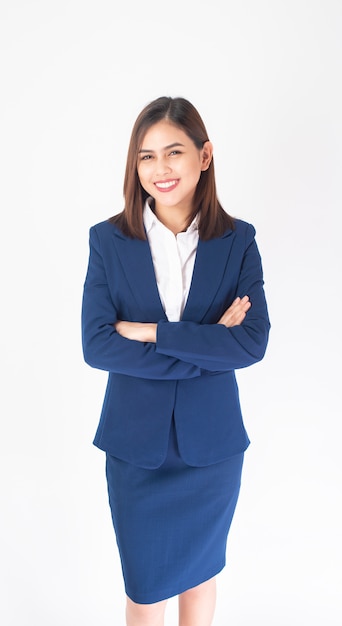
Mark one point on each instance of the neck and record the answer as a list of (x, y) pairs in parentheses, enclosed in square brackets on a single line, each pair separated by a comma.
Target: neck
[(176, 220)]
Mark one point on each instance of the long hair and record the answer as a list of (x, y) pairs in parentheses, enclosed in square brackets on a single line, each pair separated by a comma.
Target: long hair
[(214, 220)]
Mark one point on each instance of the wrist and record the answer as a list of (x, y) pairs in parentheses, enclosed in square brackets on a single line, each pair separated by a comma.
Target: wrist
[(152, 331)]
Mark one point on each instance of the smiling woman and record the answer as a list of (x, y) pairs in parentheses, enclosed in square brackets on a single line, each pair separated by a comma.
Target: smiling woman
[(169, 168), (183, 116), (173, 303)]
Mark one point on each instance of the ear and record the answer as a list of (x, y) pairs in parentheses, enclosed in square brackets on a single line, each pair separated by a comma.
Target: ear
[(207, 155)]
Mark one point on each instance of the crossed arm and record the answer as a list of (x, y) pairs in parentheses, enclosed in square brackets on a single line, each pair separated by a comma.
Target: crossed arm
[(233, 316)]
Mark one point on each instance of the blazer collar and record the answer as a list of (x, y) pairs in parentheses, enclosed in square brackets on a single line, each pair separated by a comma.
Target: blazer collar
[(137, 264), (210, 264), (211, 260)]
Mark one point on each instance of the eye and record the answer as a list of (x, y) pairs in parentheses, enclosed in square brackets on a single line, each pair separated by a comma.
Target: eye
[(145, 157), (175, 152)]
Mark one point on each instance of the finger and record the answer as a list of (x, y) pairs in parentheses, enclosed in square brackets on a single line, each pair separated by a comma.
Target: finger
[(235, 314)]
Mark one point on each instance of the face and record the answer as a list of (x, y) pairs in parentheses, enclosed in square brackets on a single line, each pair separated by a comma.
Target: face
[(169, 166)]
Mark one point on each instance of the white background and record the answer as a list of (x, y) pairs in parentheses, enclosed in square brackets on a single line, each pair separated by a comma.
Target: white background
[(266, 78)]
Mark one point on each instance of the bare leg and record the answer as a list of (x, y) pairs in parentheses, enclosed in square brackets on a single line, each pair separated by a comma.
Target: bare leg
[(145, 614), (197, 605)]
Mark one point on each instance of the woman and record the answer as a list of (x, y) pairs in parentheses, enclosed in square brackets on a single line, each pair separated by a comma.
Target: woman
[(173, 304)]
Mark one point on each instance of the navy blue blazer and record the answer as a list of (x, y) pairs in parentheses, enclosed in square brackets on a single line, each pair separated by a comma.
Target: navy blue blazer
[(189, 371)]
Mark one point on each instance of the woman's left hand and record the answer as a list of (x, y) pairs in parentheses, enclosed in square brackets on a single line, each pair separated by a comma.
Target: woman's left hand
[(137, 331), (236, 313)]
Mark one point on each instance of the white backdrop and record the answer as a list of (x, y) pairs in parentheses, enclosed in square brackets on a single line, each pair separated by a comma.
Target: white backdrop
[(266, 77)]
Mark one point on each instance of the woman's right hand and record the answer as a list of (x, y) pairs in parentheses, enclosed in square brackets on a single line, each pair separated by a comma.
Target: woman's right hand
[(236, 313)]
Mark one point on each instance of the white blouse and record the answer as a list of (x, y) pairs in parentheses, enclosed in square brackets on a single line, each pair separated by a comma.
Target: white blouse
[(173, 259)]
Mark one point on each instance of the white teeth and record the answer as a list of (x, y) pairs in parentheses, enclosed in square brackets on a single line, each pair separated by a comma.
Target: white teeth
[(166, 185)]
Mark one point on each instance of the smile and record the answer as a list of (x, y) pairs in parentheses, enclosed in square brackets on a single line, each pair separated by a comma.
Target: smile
[(167, 185)]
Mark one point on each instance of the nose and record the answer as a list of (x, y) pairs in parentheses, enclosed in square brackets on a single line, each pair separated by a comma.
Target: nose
[(163, 167)]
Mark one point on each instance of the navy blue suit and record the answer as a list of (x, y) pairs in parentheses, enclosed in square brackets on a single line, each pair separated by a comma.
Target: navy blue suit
[(189, 372)]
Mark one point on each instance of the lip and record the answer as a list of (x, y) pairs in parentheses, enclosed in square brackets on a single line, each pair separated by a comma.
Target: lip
[(164, 186)]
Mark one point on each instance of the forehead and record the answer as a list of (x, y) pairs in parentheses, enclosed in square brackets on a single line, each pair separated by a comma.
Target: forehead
[(162, 134)]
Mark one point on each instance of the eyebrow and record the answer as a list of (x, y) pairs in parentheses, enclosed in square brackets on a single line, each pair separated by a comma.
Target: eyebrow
[(171, 145)]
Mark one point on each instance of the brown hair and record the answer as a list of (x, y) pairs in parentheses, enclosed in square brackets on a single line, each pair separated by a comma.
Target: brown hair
[(214, 220)]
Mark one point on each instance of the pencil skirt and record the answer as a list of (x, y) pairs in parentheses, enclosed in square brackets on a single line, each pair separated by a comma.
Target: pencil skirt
[(171, 523)]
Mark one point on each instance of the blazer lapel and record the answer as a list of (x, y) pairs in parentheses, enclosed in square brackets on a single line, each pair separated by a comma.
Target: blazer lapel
[(138, 267), (210, 264)]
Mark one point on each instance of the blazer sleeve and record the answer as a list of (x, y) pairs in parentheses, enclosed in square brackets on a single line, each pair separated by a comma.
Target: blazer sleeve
[(215, 347), (104, 348)]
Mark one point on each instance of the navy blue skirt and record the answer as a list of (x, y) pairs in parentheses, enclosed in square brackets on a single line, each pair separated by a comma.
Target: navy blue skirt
[(171, 523)]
